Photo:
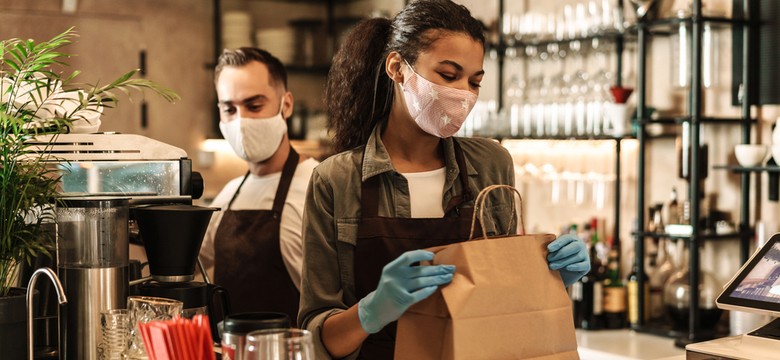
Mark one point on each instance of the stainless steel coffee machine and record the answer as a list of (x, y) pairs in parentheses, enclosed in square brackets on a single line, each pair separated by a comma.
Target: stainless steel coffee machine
[(104, 175)]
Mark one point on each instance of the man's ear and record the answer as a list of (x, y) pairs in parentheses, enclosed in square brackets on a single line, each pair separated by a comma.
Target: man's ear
[(393, 65), (288, 102)]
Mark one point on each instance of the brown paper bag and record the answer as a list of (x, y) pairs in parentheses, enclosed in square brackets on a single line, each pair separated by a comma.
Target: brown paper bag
[(503, 303)]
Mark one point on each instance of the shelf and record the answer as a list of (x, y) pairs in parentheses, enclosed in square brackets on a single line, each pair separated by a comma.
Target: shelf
[(741, 169), (667, 26), (703, 236), (705, 120), (573, 138), (611, 36)]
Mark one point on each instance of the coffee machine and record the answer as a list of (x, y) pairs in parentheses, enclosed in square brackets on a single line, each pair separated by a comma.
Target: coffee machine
[(103, 176), (172, 236)]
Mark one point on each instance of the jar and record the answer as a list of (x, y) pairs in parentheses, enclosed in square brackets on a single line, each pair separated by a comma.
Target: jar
[(677, 297), (237, 326)]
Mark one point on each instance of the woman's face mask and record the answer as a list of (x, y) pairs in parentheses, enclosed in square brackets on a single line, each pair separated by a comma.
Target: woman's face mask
[(255, 139), (437, 109)]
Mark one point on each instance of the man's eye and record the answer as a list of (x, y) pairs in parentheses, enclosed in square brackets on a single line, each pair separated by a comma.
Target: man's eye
[(475, 85), (228, 110)]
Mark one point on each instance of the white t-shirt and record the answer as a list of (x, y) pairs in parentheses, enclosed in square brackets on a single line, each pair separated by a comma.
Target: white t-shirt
[(258, 193), (426, 190)]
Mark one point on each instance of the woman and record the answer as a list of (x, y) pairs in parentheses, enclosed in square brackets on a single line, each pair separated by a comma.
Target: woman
[(397, 92)]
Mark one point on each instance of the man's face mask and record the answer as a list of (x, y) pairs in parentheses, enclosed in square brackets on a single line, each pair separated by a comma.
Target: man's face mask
[(255, 139)]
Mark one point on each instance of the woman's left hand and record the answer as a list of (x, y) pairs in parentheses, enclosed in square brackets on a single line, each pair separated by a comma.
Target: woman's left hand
[(569, 255)]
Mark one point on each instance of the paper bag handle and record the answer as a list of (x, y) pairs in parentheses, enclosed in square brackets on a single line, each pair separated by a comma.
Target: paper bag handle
[(479, 207)]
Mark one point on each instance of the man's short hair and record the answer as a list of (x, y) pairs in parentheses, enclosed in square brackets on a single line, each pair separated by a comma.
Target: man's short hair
[(242, 56)]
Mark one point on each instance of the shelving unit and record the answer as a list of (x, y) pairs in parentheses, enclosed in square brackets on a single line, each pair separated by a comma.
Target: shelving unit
[(619, 39), (660, 27)]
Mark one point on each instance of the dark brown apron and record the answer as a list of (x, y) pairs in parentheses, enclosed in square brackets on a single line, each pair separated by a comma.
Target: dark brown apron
[(248, 259), (381, 240)]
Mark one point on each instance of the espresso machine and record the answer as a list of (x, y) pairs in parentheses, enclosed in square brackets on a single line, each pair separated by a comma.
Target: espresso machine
[(104, 175)]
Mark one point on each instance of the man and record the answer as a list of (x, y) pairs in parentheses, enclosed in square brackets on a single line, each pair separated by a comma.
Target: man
[(254, 242)]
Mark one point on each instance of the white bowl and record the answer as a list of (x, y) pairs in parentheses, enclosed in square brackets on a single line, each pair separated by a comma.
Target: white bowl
[(750, 154)]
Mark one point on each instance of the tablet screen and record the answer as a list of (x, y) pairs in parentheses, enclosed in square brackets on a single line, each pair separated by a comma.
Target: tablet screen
[(757, 285)]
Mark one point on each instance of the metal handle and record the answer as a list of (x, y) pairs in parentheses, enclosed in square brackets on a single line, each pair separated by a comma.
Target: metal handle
[(30, 291)]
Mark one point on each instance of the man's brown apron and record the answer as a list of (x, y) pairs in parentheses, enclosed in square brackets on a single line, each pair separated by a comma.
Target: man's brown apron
[(248, 258), (381, 240)]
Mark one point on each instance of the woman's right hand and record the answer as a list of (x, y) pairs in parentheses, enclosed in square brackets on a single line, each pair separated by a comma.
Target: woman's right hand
[(401, 286)]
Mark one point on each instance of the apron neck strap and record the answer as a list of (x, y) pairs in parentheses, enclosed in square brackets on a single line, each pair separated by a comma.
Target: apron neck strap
[(284, 183)]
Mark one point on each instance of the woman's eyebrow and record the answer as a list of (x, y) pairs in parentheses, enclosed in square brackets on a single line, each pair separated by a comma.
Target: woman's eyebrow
[(458, 67)]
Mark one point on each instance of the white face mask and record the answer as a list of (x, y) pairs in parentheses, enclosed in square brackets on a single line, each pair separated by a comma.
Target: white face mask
[(255, 139)]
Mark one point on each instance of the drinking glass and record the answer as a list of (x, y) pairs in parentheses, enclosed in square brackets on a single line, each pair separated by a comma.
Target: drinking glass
[(115, 330), (279, 344), (144, 309)]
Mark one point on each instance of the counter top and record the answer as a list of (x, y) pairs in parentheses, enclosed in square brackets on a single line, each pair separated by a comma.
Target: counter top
[(626, 345)]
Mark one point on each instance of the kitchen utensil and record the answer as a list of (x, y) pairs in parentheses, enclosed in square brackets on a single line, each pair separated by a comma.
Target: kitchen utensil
[(92, 261), (279, 344), (115, 330), (750, 154), (237, 326), (143, 309)]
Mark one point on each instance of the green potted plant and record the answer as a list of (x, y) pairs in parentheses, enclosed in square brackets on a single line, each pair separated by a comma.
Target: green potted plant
[(37, 99)]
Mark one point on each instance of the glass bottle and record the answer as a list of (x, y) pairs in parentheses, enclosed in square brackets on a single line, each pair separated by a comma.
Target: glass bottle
[(672, 208), (632, 285), (662, 267), (614, 294), (677, 297), (591, 306)]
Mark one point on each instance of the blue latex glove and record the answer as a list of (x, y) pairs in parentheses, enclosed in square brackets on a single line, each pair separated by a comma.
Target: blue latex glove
[(569, 255), (401, 286)]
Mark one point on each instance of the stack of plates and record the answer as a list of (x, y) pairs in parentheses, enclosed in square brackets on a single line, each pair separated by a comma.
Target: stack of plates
[(236, 29), (278, 41)]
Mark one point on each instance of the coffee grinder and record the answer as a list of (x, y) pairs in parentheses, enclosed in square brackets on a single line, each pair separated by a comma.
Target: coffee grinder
[(172, 236)]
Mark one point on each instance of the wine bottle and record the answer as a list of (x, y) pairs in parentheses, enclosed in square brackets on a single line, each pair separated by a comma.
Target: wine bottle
[(633, 296), (591, 306), (614, 293)]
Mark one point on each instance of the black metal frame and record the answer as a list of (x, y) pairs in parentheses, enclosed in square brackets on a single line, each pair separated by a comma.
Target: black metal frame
[(695, 118)]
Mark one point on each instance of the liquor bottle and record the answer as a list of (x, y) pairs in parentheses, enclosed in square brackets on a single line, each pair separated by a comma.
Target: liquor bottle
[(575, 292), (591, 306), (633, 296), (673, 208), (662, 268), (614, 293)]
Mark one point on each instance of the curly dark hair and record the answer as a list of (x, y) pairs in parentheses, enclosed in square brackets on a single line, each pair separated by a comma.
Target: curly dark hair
[(358, 93)]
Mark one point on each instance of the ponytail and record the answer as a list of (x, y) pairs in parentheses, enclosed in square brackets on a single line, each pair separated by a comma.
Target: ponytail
[(358, 93)]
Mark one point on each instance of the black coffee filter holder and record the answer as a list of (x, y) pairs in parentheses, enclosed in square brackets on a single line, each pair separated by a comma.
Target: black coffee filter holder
[(172, 235)]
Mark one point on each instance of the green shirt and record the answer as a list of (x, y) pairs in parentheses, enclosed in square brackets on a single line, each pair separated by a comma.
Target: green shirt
[(332, 215)]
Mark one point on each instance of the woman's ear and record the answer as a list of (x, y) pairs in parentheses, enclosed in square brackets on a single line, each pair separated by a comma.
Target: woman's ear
[(393, 66)]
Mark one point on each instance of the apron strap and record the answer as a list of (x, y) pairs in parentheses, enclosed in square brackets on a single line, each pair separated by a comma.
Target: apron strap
[(284, 183), (235, 194), (370, 188)]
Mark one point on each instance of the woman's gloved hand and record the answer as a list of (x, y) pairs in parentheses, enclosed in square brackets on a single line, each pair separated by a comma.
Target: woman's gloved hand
[(400, 286), (569, 255)]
